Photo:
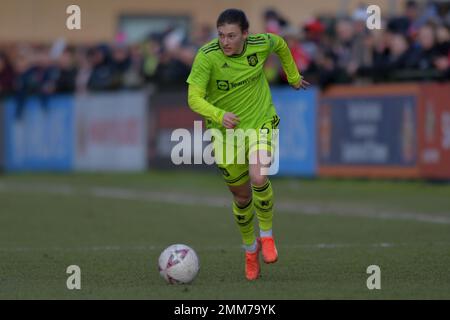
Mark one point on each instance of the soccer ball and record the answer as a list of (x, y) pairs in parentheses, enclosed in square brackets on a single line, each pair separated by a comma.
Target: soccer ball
[(178, 264)]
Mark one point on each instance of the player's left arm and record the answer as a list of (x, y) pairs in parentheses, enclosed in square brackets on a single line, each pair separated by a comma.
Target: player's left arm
[(280, 47)]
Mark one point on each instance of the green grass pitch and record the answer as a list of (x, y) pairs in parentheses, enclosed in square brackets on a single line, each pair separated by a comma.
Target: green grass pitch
[(114, 226)]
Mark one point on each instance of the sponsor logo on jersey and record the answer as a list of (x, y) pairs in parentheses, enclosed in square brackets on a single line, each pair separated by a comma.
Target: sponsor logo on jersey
[(223, 85)]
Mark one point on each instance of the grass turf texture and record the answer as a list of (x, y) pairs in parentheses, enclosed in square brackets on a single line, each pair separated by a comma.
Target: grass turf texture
[(116, 241)]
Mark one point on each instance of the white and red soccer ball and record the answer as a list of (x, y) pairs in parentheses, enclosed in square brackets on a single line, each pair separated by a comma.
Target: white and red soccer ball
[(178, 264)]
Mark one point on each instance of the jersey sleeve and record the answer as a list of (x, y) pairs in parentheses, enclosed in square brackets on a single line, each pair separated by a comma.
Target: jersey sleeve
[(280, 47), (200, 71), (198, 82), (198, 104)]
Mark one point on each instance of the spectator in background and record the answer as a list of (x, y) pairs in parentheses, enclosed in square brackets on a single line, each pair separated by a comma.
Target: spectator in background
[(6, 75), (380, 48), (274, 22), (103, 76), (328, 70), (377, 42), (444, 12), (399, 58), (406, 24), (361, 52), (429, 14), (314, 42), (314, 36), (67, 72), (443, 33), (202, 34), (441, 60), (176, 58), (36, 75), (127, 63), (84, 71), (424, 49), (21, 65), (50, 73), (352, 54), (30, 70), (346, 47), (443, 38), (399, 55), (133, 77), (302, 60), (151, 57), (121, 58)]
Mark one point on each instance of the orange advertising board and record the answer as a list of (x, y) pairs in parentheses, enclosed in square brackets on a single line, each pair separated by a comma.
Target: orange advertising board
[(434, 128), (385, 131)]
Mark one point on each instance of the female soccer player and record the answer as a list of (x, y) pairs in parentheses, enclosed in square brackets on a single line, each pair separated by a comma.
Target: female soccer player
[(227, 86)]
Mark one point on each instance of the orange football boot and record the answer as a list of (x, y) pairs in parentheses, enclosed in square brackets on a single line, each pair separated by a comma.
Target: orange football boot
[(269, 250), (252, 269)]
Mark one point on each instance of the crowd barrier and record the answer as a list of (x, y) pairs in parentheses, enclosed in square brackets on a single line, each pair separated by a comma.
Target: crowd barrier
[(38, 134), (169, 111), (65, 133), (2, 138), (297, 131), (375, 131), (385, 131), (111, 132)]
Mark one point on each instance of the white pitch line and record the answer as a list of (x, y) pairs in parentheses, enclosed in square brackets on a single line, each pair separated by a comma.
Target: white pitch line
[(198, 248), (382, 245), (223, 202)]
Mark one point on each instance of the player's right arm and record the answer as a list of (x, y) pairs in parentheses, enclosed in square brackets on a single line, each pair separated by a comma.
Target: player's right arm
[(198, 82)]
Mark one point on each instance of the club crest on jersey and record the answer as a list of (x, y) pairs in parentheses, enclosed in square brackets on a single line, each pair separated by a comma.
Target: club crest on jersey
[(223, 85), (252, 59)]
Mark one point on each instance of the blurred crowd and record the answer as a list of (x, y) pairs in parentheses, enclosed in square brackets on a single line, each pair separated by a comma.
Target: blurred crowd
[(412, 46)]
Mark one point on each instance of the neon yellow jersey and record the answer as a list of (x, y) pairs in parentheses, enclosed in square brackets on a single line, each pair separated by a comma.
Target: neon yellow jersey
[(237, 84)]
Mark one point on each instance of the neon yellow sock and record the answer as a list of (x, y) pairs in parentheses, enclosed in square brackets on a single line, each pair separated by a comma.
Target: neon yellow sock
[(244, 220), (263, 203)]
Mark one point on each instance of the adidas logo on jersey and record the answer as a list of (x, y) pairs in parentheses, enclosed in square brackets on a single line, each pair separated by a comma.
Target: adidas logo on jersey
[(225, 65)]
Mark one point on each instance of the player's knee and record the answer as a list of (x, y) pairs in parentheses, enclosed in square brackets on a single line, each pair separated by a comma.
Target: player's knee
[(258, 180), (242, 199), (265, 158)]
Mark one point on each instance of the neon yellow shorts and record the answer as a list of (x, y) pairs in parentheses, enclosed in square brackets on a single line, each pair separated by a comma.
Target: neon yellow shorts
[(233, 160)]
